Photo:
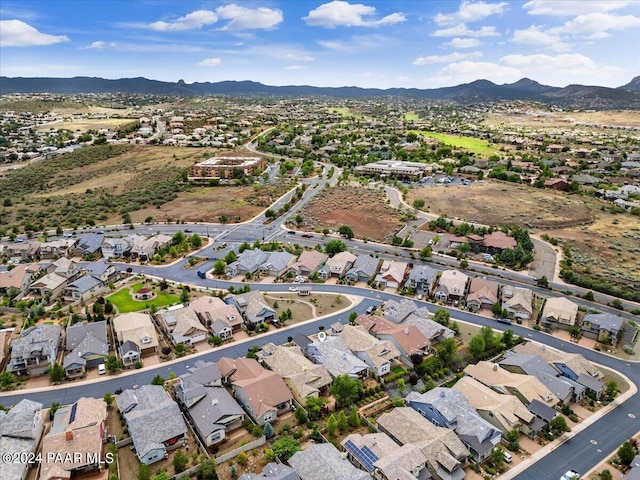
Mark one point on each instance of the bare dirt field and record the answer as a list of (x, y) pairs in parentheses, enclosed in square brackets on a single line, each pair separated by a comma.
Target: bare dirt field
[(307, 307), (363, 209), (87, 124), (564, 120)]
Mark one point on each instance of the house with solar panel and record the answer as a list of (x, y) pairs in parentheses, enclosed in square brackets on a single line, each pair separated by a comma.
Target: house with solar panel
[(272, 471)]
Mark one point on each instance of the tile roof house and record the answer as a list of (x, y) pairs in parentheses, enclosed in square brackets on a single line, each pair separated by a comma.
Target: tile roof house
[(338, 265), (335, 356), (211, 310), (143, 250), (59, 274), (19, 277), (559, 311), (263, 393), (137, 328), (451, 286), (502, 411), (406, 312), (408, 339), (406, 463), (57, 248), (35, 350), (604, 327), (518, 302), (26, 251), (308, 262), (449, 408), (254, 308), (272, 471), (277, 263), (392, 274), (20, 432), (498, 241), (87, 346), (379, 355), (249, 262), (483, 293), (364, 450), (154, 421), (304, 378), (364, 269), (75, 442), (322, 461), (181, 324), (446, 454), (564, 388), (422, 277)]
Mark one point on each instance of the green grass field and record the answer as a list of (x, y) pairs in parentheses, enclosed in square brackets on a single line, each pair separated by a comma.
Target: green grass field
[(474, 145), (125, 303), (411, 117), (345, 112)]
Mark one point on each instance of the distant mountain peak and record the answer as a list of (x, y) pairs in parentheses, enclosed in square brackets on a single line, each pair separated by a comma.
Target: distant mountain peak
[(634, 84)]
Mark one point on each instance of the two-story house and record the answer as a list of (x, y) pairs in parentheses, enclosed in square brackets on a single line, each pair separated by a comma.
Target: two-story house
[(35, 351)]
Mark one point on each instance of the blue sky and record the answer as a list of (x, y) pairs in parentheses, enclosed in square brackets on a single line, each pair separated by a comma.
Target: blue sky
[(367, 43)]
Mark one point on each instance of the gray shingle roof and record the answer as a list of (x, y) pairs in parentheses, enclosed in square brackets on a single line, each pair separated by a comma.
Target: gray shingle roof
[(19, 418), (210, 412), (324, 462), (272, 471), (84, 283), (76, 333)]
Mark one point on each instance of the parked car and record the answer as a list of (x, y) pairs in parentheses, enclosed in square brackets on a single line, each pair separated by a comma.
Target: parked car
[(202, 274), (293, 289), (102, 369), (371, 309), (187, 230), (570, 475), (291, 232), (504, 320)]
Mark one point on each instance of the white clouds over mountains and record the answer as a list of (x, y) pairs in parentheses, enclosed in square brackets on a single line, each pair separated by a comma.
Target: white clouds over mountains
[(344, 14), (16, 33), (237, 17)]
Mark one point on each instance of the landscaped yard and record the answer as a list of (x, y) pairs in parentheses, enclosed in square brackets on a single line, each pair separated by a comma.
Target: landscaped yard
[(125, 303), (474, 145)]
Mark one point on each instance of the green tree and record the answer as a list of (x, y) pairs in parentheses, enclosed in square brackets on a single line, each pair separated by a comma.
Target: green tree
[(401, 385), (543, 282), (108, 398), (334, 246), (314, 406), (230, 257), (442, 317), (425, 252), (446, 350), (513, 437), (284, 448), (352, 317), (268, 430), (497, 458), (346, 231), (180, 461), (611, 389), (161, 476), (144, 472), (606, 475), (354, 418), (342, 421), (219, 266), (207, 470), (559, 424), (490, 340), (158, 380), (346, 390), (332, 425), (496, 309), (301, 416), (508, 338), (178, 238), (242, 458), (112, 363), (56, 372), (418, 203), (477, 346), (7, 379), (626, 453), (195, 240), (53, 409), (270, 213)]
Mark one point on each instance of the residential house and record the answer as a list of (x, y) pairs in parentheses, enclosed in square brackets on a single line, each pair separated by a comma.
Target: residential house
[(182, 325), (87, 346), (604, 327), (498, 241), (543, 413), (422, 277), (263, 393), (556, 184), (408, 461), (364, 451), (526, 388), (449, 408), (253, 308), (23, 251), (139, 329), (634, 469), (20, 432), (119, 247), (503, 411), (190, 386), (35, 351), (222, 318), (145, 249), (83, 288), (518, 302), (18, 278), (559, 311), (379, 355), (364, 269), (272, 471), (446, 454), (564, 388), (249, 262), (129, 353), (335, 356), (154, 422), (308, 262), (304, 378), (483, 293), (102, 270), (59, 274), (338, 265), (451, 287), (89, 246), (322, 461), (406, 312), (76, 440), (57, 248), (408, 339), (276, 264), (392, 274)]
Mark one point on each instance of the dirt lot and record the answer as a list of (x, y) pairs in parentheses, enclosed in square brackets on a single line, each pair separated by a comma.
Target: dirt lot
[(604, 242), (365, 210), (563, 120), (307, 307)]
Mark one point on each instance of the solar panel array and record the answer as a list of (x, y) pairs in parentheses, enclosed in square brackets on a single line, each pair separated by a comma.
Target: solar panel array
[(365, 456), (72, 415)]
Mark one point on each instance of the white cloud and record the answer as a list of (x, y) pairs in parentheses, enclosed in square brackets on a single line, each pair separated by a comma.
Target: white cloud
[(461, 30), (569, 8), (192, 21), (598, 22), (297, 57), (99, 45), (466, 71), (357, 43), (210, 62), (537, 37), (339, 13), (563, 68), (242, 18), (453, 57), (294, 67), (471, 12), (463, 43), (15, 33), (598, 36), (403, 79)]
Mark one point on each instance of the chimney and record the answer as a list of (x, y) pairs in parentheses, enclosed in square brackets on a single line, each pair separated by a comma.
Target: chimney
[(406, 330), (69, 435)]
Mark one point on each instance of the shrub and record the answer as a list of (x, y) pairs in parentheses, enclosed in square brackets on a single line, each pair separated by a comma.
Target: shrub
[(242, 458)]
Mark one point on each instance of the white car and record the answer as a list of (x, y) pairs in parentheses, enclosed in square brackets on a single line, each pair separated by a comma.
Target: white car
[(293, 289), (570, 475), (102, 369)]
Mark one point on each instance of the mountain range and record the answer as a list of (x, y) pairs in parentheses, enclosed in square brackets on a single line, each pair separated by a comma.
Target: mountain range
[(480, 91)]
